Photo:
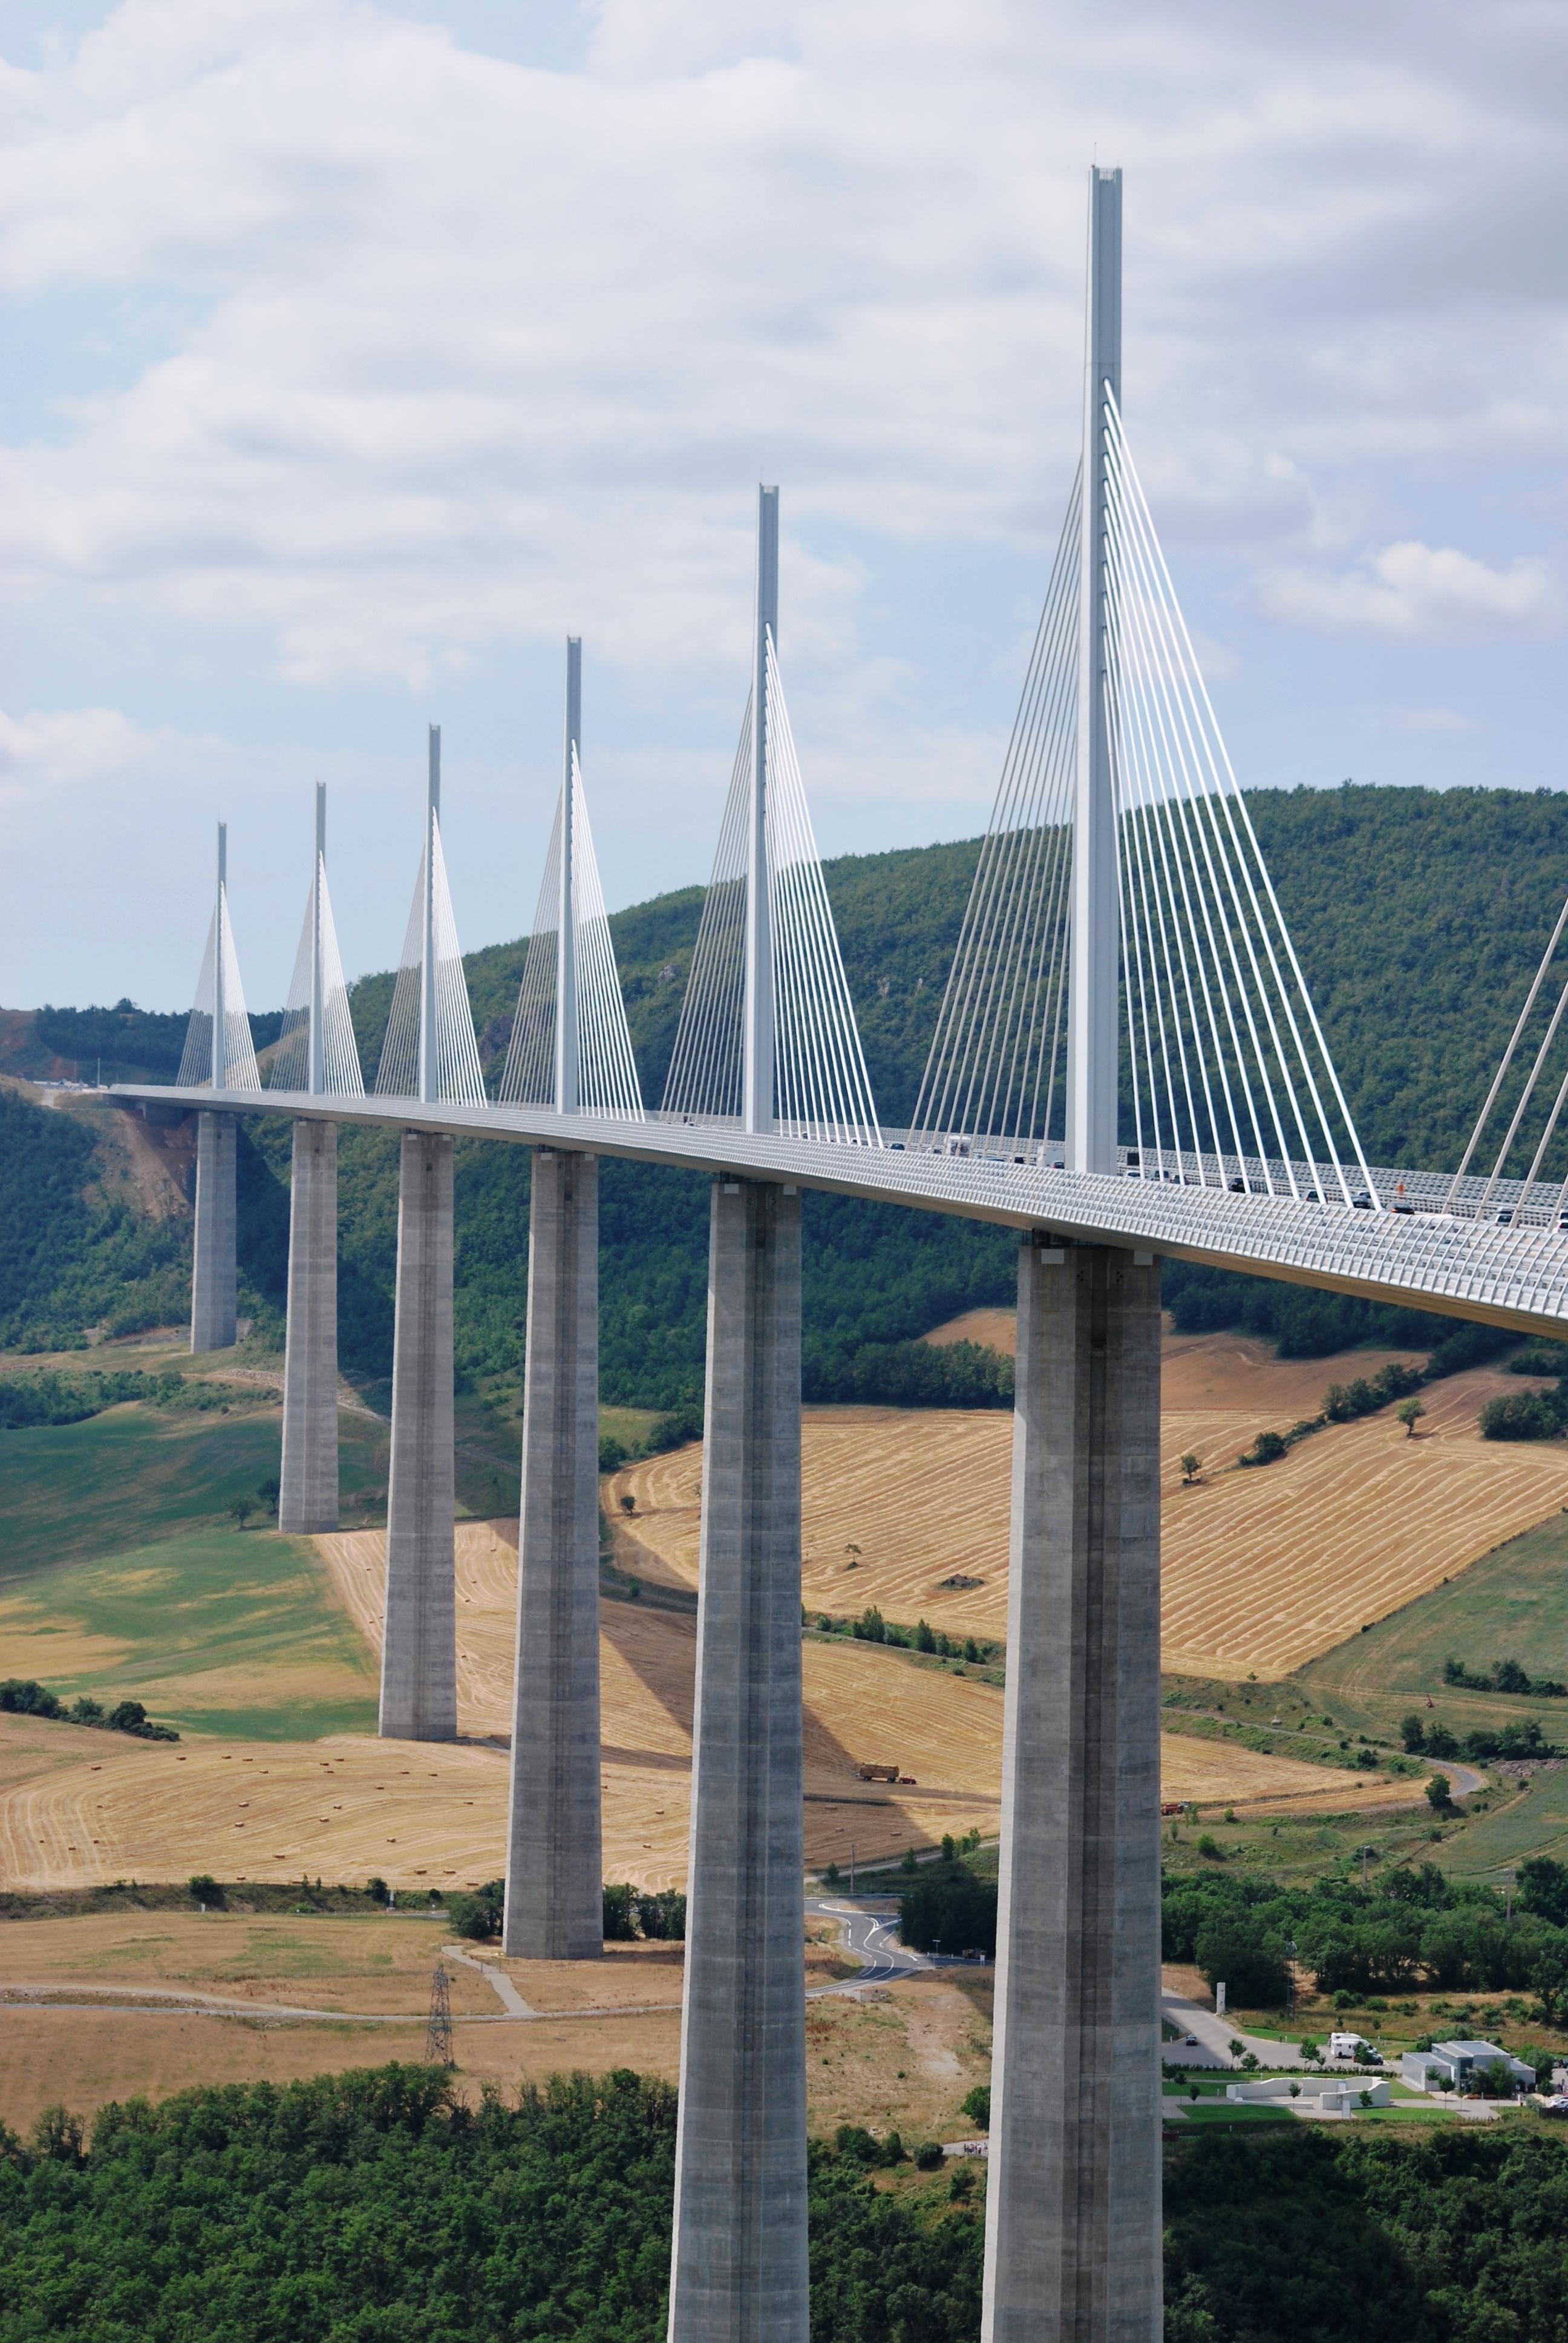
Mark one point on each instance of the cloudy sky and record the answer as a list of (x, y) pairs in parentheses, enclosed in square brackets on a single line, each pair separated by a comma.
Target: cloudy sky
[(358, 350)]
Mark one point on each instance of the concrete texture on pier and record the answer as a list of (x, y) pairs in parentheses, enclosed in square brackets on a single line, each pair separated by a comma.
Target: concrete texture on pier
[(738, 2268), (1073, 2213), (419, 1653), (308, 1495), (213, 1251), (555, 1881)]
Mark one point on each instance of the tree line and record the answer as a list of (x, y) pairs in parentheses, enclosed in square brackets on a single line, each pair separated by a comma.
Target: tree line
[(1415, 1930)]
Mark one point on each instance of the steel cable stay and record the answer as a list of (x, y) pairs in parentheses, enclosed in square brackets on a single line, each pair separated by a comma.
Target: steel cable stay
[(1174, 783), (451, 1049), (825, 1066), (605, 1067), (1180, 876), (290, 1066), (821, 1088), (1229, 1080), (219, 979), (987, 1103), (1227, 794), (1153, 905), (527, 1077), (1218, 862), (704, 1081), (1167, 651), (980, 1080), (606, 1074)]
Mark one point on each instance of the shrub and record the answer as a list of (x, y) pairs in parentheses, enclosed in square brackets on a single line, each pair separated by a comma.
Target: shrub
[(662, 1915), (928, 2156), (1523, 1416), (205, 1889), (976, 2105), (949, 1912), (619, 1914), (478, 1917), (1235, 1949), (1267, 1448), (22, 1696)]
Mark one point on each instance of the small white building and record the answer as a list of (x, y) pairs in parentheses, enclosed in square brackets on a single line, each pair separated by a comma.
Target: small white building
[(1329, 2095), (1457, 2064)]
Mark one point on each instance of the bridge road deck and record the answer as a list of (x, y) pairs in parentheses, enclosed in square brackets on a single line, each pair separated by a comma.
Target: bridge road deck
[(1510, 1276)]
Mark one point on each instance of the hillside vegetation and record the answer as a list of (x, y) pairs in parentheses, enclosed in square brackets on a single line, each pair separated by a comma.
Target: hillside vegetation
[(1418, 916), (380, 2206)]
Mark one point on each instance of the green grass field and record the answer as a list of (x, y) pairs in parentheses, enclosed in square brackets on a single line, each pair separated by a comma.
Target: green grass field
[(216, 1629), (124, 1575), (1510, 1605), (1535, 1823), (82, 1491)]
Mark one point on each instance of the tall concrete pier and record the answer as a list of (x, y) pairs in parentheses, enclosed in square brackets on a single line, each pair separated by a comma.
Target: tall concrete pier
[(419, 1656), (213, 1274), (739, 2259), (554, 1877), (308, 1493), (1072, 2215)]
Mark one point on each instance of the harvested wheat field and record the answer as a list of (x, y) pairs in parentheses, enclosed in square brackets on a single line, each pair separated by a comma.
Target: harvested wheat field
[(81, 2058), (1263, 1569), (895, 1502), (1266, 1569), (379, 1964), (859, 1708), (899, 2057), (993, 1330)]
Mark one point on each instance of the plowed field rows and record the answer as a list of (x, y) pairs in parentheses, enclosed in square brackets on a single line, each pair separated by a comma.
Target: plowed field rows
[(1263, 1569)]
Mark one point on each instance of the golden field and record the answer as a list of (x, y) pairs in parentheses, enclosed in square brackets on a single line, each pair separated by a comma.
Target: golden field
[(1262, 1570), (76, 2032), (78, 1808)]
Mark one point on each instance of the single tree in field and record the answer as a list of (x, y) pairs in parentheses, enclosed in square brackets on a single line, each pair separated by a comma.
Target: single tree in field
[(269, 1493), (1410, 1413), (1191, 1469), (1440, 1793), (241, 1511)]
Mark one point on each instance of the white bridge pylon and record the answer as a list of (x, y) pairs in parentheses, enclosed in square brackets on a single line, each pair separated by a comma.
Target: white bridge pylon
[(316, 1050), (570, 1045), (219, 1054), (430, 1051), (767, 1037), (1125, 988)]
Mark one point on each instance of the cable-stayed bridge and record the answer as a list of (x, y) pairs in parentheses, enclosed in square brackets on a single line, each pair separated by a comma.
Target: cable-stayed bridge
[(1127, 1064)]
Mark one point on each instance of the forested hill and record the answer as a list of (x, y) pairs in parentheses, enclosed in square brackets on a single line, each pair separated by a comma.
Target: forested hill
[(1418, 916)]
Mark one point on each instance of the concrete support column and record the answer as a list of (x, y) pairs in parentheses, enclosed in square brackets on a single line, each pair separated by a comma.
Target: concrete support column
[(554, 1875), (213, 1256), (1072, 2215), (419, 1654), (309, 1497), (739, 2260)]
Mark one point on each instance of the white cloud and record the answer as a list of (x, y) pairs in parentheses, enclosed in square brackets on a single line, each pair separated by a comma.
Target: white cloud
[(362, 357), (1422, 593), (67, 748), (475, 344)]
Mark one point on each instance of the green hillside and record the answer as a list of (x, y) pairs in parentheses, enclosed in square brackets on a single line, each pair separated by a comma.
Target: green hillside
[(1418, 916)]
